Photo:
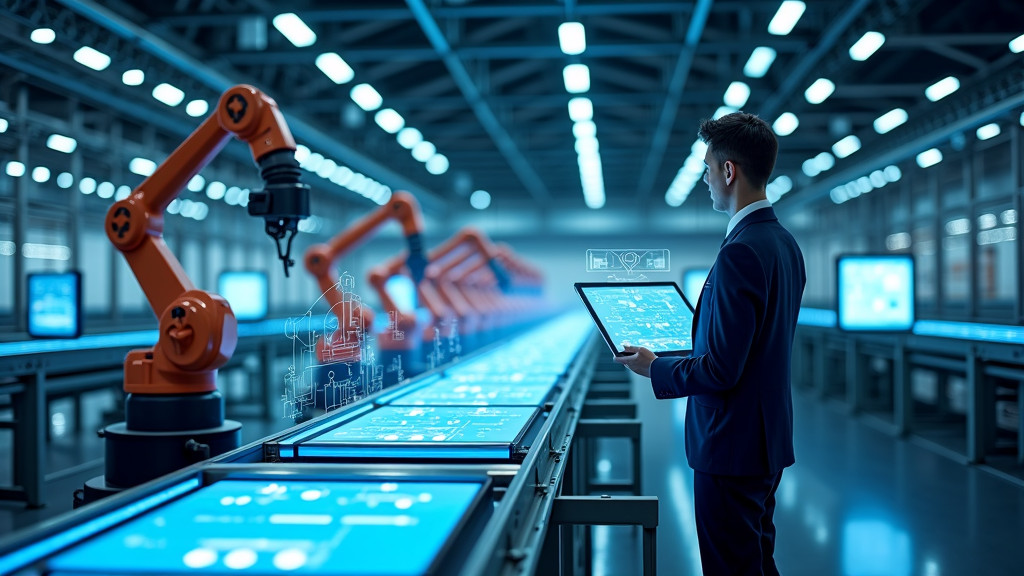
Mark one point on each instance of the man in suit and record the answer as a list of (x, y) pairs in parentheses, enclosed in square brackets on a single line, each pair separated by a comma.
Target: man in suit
[(739, 418)]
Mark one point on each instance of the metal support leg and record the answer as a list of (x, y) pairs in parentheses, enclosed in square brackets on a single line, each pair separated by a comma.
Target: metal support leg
[(854, 390), (980, 410), (903, 401), (612, 511)]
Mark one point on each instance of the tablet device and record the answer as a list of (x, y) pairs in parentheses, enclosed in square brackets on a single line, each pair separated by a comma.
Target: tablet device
[(654, 315)]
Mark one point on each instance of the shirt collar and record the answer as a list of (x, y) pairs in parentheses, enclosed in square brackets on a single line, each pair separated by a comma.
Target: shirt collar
[(743, 213)]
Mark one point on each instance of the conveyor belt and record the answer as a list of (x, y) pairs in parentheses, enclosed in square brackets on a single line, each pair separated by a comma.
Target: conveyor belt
[(343, 514)]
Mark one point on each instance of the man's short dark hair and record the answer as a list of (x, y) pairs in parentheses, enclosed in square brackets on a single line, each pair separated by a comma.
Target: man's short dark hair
[(746, 140)]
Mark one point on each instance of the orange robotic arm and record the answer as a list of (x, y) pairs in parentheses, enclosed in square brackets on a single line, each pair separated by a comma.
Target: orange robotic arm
[(198, 332), (320, 258)]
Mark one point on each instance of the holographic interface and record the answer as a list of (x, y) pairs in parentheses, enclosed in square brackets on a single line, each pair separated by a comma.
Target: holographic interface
[(652, 315), (628, 260), (302, 526)]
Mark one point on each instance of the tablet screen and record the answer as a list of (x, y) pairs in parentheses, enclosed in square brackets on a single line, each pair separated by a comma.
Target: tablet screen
[(654, 315)]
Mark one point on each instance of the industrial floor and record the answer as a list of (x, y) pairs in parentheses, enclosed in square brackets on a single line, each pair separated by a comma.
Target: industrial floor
[(857, 503)]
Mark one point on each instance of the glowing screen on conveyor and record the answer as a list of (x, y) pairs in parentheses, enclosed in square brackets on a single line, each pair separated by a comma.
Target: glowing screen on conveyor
[(425, 432), (516, 389), (301, 526)]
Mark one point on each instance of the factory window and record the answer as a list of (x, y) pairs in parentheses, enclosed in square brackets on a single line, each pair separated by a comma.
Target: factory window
[(996, 265), (956, 260), (992, 166), (191, 256), (46, 247), (923, 247), (96, 286), (921, 197), (952, 185), (213, 260), (131, 301), (7, 255)]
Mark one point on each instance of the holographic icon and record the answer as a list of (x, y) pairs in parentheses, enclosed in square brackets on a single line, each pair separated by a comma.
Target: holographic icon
[(630, 260)]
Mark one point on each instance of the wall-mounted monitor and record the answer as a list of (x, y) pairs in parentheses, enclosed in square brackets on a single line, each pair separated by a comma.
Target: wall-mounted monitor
[(55, 305), (875, 292), (246, 292), (693, 283)]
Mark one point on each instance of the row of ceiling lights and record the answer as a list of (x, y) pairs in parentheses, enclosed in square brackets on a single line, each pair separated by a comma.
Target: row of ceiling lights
[(572, 40), (757, 66), (364, 95), (331, 64)]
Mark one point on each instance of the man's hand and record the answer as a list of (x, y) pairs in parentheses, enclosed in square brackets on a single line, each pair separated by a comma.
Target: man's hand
[(639, 360)]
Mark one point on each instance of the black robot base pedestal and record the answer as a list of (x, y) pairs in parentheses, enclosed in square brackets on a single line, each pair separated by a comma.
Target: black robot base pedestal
[(160, 434)]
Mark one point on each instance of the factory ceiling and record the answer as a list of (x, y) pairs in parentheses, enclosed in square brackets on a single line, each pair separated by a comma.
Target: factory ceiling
[(485, 82)]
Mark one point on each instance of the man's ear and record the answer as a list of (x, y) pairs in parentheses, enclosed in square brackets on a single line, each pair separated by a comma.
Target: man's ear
[(730, 172)]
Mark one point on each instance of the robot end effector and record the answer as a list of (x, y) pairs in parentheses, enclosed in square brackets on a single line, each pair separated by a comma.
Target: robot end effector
[(283, 201)]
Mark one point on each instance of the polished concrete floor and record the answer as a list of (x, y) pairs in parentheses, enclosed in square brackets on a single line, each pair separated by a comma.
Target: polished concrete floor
[(857, 503)]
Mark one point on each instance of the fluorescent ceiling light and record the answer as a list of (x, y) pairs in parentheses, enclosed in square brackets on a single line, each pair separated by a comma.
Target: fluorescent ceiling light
[(572, 38), (929, 157), (142, 166), (786, 18), (91, 58), (105, 190), (423, 151), (838, 195), (326, 168), (133, 77), (1017, 44), (335, 68), (736, 94), (584, 129), (824, 161), (878, 179), (61, 143), (294, 29), (892, 173), (821, 89), (47, 36), (581, 109), (759, 62), (41, 174), (810, 167), (389, 120), (846, 146), (170, 95), (942, 88), (366, 97), (722, 111), (576, 78), (65, 180), (197, 108), (587, 146), (122, 192), (480, 199), (890, 120), (864, 184), (868, 44), (988, 131), (197, 183), (87, 186), (437, 164), (216, 190), (409, 137), (785, 124), (4, 124)]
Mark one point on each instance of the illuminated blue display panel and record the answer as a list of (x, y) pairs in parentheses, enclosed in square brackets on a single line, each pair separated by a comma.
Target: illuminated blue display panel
[(343, 527), (875, 293), (425, 432), (654, 315), (55, 305), (516, 389), (246, 292)]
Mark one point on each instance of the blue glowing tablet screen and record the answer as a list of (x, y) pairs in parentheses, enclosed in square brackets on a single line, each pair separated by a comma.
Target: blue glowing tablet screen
[(301, 527), (449, 425), (654, 316), (55, 305), (516, 389), (876, 293)]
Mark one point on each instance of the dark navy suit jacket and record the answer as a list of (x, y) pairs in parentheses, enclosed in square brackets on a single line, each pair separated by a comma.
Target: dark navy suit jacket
[(739, 418)]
